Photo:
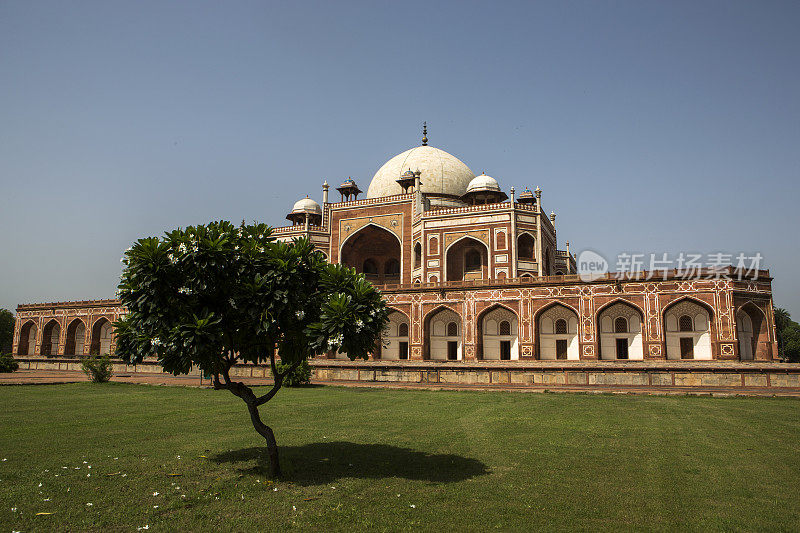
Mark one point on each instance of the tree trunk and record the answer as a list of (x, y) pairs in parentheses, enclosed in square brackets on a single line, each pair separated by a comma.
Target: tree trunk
[(272, 445)]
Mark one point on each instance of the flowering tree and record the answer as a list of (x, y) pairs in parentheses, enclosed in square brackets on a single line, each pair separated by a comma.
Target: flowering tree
[(211, 296)]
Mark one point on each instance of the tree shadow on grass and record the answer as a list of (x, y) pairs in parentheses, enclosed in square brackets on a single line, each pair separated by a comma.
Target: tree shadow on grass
[(325, 462)]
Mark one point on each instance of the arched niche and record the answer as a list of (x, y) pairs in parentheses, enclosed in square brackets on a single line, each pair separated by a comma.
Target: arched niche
[(557, 333), (687, 331), (620, 327), (76, 337), (101, 337), (397, 338), (50, 336), (498, 334), (443, 333), (27, 338)]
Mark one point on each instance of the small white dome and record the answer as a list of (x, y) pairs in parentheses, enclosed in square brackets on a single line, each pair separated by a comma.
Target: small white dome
[(483, 183), (307, 205)]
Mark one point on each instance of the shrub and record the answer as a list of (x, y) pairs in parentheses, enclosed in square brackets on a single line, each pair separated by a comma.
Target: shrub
[(7, 363), (97, 367), (298, 377)]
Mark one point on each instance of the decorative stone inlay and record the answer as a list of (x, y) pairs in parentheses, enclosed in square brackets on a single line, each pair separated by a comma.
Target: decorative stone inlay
[(391, 223), (481, 235)]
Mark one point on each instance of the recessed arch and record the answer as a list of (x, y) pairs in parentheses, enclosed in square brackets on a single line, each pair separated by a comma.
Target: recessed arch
[(552, 342), (27, 338), (694, 344), (50, 337), (101, 337), (438, 343), (497, 333), (397, 340), (459, 259), (373, 251), (620, 325), (752, 332), (526, 246), (76, 337)]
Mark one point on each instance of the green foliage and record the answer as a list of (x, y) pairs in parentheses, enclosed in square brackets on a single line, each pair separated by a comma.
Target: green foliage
[(211, 295), (97, 367), (8, 364), (6, 331), (297, 377), (788, 332)]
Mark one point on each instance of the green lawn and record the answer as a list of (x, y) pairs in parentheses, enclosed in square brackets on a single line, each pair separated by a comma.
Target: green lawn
[(395, 460)]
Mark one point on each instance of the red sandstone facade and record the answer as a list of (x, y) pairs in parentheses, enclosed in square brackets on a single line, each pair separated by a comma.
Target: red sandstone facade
[(471, 276)]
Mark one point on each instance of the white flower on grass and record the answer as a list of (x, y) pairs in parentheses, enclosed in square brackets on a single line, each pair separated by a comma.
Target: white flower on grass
[(413, 506), (40, 484), (89, 504), (47, 499), (359, 324), (88, 475), (300, 314), (84, 462), (143, 527), (155, 494), (13, 509)]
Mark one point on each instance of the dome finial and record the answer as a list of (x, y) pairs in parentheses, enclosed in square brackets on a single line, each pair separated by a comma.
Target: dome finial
[(425, 133)]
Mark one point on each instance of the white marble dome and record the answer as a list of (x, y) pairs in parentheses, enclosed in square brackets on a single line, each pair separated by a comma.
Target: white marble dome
[(483, 183), (307, 205), (441, 173)]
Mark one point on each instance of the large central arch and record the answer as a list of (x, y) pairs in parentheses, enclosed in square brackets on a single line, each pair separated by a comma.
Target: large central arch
[(466, 259), (374, 252)]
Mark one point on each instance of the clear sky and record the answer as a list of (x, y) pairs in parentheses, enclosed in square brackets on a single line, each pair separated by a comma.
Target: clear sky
[(650, 126)]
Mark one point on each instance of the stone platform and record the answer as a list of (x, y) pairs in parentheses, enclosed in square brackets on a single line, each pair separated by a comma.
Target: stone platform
[(762, 378)]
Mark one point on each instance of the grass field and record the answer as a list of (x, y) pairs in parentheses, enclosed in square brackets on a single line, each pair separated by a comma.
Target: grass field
[(121, 457)]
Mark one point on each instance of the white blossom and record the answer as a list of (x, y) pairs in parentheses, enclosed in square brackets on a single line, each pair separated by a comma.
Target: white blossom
[(300, 314)]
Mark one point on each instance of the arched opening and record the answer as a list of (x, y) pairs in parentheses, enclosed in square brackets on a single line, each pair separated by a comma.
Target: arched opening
[(27, 339), (370, 267), (374, 252), (687, 331), (467, 259), (76, 336), (620, 327), (50, 334), (498, 332), (751, 330), (392, 270), (101, 338), (526, 247), (557, 333), (397, 341), (417, 256), (443, 336)]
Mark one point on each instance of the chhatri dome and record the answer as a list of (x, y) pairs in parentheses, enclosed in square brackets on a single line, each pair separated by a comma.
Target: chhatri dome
[(443, 177)]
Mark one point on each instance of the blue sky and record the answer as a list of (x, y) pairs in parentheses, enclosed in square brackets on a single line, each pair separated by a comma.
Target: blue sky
[(650, 126)]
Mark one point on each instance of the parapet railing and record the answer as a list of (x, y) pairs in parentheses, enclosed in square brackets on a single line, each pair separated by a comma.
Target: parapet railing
[(641, 276)]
